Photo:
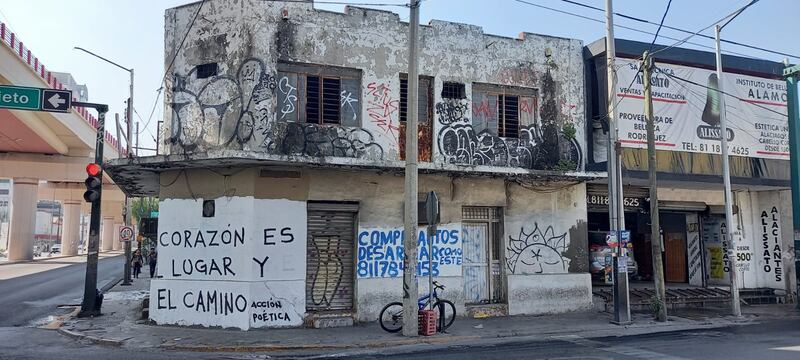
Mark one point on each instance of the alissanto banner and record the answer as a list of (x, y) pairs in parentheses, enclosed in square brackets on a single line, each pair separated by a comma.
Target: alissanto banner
[(686, 115)]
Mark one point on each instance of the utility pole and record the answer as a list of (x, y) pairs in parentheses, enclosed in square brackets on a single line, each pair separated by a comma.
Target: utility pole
[(616, 211), (410, 291), (726, 178), (89, 304), (791, 73), (655, 226)]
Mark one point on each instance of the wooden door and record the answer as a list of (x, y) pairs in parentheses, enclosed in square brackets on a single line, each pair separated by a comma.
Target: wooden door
[(675, 257)]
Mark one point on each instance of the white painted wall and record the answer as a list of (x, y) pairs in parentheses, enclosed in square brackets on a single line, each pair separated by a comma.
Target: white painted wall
[(548, 294), (253, 248)]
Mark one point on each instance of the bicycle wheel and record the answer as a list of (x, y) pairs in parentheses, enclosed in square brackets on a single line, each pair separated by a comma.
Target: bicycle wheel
[(449, 314), (391, 317)]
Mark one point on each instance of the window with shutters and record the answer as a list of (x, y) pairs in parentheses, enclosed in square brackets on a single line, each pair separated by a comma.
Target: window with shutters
[(502, 110), (318, 94), (424, 117)]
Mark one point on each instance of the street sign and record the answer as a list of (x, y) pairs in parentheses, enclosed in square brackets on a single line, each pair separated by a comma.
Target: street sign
[(20, 97), (125, 233), (35, 99), (56, 100), (432, 208)]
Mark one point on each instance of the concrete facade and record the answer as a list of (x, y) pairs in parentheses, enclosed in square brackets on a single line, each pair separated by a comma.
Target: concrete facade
[(70, 238), (285, 217), (24, 193)]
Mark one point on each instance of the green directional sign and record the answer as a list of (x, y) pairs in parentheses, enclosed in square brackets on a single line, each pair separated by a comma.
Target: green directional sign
[(19, 97)]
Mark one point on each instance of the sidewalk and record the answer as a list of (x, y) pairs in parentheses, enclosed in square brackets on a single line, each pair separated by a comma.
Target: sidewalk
[(121, 326)]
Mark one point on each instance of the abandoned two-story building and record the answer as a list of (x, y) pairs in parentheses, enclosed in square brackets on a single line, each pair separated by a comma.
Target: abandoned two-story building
[(280, 173)]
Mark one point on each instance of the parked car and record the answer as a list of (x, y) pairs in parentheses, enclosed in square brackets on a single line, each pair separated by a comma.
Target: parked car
[(56, 248)]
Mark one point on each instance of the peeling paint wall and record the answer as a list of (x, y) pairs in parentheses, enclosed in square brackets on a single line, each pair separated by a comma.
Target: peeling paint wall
[(250, 105), (543, 242)]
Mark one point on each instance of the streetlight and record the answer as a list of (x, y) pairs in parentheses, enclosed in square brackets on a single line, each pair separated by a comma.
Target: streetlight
[(128, 137)]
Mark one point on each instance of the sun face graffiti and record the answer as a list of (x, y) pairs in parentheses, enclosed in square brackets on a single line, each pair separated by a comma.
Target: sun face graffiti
[(537, 252)]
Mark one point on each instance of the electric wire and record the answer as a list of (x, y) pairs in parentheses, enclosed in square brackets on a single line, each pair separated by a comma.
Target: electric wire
[(660, 25), (685, 40), (626, 27), (645, 21)]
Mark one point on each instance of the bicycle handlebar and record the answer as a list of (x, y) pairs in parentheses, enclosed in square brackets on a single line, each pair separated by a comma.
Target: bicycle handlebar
[(437, 285)]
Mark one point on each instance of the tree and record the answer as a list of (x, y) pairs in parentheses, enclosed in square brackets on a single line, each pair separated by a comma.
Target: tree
[(142, 207)]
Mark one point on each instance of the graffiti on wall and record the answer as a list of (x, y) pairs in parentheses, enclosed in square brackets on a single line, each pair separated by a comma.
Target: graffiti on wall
[(539, 144), (380, 252), (537, 252), (209, 267), (326, 276), (291, 138), (382, 109), (220, 111), (225, 111)]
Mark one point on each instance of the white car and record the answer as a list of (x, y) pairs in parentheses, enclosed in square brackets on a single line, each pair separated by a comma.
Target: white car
[(56, 248)]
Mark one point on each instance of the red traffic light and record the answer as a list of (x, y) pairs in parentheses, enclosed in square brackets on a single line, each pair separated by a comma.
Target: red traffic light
[(93, 169)]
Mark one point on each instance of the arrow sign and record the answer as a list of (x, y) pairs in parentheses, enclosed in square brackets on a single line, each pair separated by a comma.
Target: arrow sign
[(56, 100)]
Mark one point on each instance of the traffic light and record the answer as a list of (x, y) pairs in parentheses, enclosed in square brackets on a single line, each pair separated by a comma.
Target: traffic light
[(93, 183)]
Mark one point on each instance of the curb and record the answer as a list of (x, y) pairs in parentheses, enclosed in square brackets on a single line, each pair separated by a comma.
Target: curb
[(110, 284), (278, 347), (94, 339), (46, 259)]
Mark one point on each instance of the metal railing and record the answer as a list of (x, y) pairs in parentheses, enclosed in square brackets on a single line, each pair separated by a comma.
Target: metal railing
[(11, 40)]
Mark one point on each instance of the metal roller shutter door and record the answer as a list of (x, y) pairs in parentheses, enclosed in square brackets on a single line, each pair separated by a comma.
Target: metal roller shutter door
[(330, 261)]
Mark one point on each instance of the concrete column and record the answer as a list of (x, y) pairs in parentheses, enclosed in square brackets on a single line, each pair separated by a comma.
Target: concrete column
[(23, 218), (117, 244), (108, 233), (71, 234)]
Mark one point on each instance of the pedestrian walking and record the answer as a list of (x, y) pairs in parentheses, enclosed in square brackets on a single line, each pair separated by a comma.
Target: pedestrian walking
[(152, 258), (137, 263)]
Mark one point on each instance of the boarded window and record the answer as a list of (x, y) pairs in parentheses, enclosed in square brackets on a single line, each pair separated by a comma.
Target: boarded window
[(424, 117), (318, 94), (502, 111)]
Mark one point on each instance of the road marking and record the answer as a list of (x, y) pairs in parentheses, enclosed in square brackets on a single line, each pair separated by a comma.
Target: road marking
[(788, 348), (617, 349)]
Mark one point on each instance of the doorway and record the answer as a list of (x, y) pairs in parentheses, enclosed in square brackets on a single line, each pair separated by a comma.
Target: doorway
[(673, 226), (330, 279), (481, 234)]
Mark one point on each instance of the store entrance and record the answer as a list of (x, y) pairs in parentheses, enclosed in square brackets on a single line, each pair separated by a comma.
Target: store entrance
[(673, 226)]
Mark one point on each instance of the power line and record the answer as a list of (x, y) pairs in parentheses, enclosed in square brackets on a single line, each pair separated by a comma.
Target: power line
[(623, 26), (180, 46), (660, 25), (685, 40), (645, 21)]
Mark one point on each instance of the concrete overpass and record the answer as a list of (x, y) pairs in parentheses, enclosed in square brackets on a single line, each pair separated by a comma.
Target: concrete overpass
[(45, 155)]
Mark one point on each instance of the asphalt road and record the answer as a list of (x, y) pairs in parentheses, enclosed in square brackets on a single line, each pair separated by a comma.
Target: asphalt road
[(28, 299), (775, 340)]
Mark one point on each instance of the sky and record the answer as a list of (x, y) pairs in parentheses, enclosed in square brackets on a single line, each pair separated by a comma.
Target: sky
[(131, 33)]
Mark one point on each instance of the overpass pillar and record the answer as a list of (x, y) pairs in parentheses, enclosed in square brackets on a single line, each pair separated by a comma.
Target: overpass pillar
[(71, 235), (117, 245), (108, 233), (25, 193)]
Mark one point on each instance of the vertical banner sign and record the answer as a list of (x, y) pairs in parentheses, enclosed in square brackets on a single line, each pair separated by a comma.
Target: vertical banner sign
[(687, 115)]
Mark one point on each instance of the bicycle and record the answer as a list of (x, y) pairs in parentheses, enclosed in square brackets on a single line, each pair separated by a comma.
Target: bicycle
[(391, 317)]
